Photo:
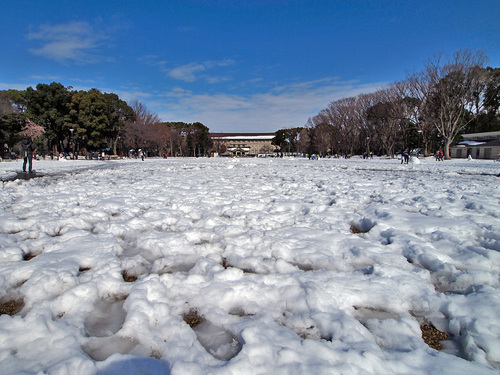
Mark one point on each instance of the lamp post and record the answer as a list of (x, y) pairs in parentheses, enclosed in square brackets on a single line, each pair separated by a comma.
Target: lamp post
[(418, 140), (72, 143)]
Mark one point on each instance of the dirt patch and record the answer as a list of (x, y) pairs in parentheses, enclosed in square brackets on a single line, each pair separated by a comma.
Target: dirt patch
[(29, 256), (238, 311), (192, 318), (432, 336), (303, 267), (129, 278), (227, 265), (355, 230), (11, 307)]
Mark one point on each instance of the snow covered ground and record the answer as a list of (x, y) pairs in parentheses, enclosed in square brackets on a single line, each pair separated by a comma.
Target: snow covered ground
[(250, 266)]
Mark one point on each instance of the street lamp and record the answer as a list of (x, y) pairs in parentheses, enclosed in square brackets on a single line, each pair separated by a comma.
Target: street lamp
[(72, 142), (418, 140)]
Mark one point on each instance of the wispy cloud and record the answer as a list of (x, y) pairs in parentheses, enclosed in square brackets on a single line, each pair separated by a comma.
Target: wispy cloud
[(45, 78), (78, 42), (187, 72), (280, 107), (194, 71)]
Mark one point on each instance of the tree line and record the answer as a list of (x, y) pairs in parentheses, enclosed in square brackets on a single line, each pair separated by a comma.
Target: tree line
[(428, 111), (63, 120)]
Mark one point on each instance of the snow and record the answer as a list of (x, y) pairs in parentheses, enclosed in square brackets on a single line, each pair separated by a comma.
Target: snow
[(470, 143), (291, 266)]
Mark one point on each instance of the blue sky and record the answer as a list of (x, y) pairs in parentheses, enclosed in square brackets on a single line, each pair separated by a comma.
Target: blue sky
[(236, 66)]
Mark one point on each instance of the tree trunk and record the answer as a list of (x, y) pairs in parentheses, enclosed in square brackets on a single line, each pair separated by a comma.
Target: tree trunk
[(447, 144), (115, 142)]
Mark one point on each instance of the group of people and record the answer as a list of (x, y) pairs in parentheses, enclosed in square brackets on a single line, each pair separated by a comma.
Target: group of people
[(28, 149), (405, 156)]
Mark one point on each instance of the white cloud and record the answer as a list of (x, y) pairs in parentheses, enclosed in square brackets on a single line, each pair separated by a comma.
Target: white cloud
[(282, 107), (187, 72), (15, 86), (194, 71), (74, 41), (45, 78)]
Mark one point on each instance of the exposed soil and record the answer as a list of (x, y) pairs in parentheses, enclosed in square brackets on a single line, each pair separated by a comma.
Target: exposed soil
[(355, 230), (129, 278), (11, 307), (432, 336), (28, 256), (192, 318)]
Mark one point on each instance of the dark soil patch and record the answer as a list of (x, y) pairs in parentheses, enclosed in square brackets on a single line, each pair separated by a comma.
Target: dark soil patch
[(82, 270), (129, 278), (432, 336), (11, 307), (362, 226), (192, 318), (227, 265), (355, 230), (240, 312), (304, 267), (29, 256)]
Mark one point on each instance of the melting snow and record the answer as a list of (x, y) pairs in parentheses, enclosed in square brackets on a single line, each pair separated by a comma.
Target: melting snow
[(291, 265)]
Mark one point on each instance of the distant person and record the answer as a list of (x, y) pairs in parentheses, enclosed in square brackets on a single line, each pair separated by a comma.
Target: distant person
[(405, 157), (28, 148)]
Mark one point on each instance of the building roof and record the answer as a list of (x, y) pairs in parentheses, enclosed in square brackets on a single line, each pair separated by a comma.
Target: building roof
[(247, 136), (493, 143), (470, 143), (482, 136)]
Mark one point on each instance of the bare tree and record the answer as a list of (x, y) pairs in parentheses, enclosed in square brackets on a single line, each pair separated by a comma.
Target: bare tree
[(6, 105), (304, 141), (386, 117), (321, 138), (341, 114), (438, 102), (454, 87), (414, 91), (367, 134), (141, 133)]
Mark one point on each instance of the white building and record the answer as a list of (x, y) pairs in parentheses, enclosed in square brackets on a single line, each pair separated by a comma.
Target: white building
[(243, 144), (478, 146)]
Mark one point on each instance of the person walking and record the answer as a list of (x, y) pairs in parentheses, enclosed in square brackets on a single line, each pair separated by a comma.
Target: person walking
[(28, 148)]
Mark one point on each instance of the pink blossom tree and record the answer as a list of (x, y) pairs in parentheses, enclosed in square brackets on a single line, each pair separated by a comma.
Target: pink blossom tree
[(32, 130)]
